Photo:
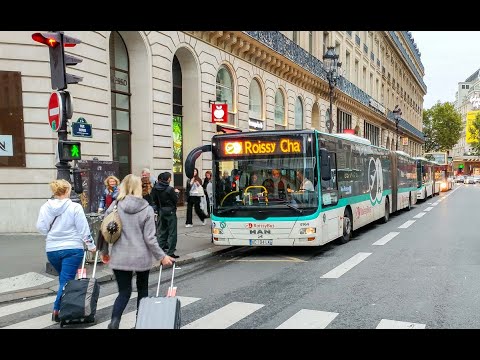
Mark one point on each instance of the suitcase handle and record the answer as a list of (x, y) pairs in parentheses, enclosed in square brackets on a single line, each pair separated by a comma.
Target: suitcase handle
[(94, 266), (160, 276)]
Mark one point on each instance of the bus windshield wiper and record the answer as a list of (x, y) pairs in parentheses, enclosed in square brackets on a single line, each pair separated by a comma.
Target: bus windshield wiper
[(285, 202)]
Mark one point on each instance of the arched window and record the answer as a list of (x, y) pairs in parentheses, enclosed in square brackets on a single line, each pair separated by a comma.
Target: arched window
[(279, 110), (298, 114), (120, 94), (224, 92), (255, 109), (177, 124)]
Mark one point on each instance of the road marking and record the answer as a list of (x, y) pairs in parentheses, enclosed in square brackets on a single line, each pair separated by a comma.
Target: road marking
[(44, 321), (419, 215), (23, 281), (435, 203), (26, 305), (392, 324), (347, 265), (309, 319), (428, 209), (386, 238), (225, 316), (406, 224), (129, 319)]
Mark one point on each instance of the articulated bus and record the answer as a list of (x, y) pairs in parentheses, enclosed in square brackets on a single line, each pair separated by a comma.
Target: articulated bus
[(427, 185), (443, 171), (302, 187)]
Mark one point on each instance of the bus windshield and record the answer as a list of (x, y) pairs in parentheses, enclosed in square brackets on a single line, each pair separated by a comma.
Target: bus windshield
[(283, 185)]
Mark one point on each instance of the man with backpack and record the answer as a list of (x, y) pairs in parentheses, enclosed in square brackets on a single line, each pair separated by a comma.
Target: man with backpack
[(165, 199)]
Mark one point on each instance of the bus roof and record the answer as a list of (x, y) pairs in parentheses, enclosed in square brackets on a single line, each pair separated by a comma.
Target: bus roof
[(352, 137), (400, 152)]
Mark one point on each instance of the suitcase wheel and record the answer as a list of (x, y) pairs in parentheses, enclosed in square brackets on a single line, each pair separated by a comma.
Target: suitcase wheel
[(61, 324)]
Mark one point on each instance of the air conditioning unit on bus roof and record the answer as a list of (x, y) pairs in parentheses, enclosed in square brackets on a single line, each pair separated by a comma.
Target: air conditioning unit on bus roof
[(353, 138)]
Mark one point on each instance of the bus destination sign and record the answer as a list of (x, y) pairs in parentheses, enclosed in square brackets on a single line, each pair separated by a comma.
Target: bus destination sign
[(278, 146)]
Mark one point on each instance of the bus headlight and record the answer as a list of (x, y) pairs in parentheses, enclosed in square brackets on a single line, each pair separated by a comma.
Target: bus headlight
[(443, 185), (310, 230), (216, 231)]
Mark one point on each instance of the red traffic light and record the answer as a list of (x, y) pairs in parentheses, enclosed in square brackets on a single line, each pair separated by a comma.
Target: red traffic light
[(50, 39)]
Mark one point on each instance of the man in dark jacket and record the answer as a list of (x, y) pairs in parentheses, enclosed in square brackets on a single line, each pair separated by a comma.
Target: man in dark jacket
[(165, 200)]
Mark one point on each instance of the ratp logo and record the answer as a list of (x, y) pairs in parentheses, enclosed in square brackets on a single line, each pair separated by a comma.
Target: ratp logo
[(375, 180), (233, 148)]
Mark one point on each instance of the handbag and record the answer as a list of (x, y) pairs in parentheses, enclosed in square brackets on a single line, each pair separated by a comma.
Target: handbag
[(197, 191), (111, 227)]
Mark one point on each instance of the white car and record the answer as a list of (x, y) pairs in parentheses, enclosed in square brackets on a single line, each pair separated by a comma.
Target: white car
[(469, 180)]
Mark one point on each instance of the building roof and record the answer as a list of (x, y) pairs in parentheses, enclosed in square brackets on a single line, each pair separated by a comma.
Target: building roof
[(474, 76)]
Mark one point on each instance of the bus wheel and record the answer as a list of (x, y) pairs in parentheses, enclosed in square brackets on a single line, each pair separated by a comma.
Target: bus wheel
[(387, 211), (347, 227)]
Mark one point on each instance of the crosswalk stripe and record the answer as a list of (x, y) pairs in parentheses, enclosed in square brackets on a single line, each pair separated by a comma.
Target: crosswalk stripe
[(406, 224), (225, 316), (386, 238), (26, 305), (128, 319), (44, 321), (393, 324), (419, 215), (428, 208), (347, 265), (309, 319)]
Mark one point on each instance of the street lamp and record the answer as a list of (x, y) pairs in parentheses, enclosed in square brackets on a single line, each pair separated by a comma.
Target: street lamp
[(397, 112), (331, 66)]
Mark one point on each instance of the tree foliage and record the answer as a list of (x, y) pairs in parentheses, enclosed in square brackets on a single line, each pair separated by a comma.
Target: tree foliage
[(475, 131), (442, 126)]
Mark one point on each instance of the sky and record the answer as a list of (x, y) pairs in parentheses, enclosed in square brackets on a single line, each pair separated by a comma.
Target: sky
[(448, 57)]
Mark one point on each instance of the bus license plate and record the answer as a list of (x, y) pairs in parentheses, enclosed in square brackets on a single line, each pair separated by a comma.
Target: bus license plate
[(261, 242)]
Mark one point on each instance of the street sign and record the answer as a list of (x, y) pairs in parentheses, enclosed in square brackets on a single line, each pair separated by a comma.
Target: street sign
[(219, 113), (55, 111), (81, 128)]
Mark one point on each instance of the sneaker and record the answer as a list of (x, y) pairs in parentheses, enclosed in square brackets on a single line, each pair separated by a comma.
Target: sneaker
[(204, 222), (174, 256), (189, 225)]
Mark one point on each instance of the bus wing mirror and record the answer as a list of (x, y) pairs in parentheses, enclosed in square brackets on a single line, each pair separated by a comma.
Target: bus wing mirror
[(325, 169)]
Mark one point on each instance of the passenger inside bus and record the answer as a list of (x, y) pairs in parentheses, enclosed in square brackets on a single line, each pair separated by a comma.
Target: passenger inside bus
[(276, 186)]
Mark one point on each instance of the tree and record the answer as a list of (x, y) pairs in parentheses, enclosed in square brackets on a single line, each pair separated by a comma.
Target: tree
[(442, 126), (475, 131)]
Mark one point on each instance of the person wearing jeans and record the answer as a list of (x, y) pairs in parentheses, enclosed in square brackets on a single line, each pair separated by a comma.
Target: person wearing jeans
[(66, 227)]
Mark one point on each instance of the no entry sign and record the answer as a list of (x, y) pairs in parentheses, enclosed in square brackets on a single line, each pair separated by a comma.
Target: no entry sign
[(55, 111)]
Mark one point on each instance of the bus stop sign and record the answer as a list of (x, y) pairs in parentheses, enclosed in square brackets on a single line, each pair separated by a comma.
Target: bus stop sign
[(55, 111)]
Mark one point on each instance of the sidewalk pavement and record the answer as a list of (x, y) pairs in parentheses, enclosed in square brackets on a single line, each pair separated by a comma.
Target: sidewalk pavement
[(25, 253)]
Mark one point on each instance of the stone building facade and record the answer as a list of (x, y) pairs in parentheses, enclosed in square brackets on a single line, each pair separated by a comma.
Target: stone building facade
[(148, 97)]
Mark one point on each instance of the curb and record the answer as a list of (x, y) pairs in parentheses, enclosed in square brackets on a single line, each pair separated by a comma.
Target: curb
[(106, 275)]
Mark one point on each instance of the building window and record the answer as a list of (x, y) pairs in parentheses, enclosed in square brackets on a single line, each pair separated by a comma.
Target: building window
[(120, 94), (279, 110), (325, 41), (364, 79), (295, 37), (344, 121), (298, 114), (310, 42), (225, 93), (347, 65), (371, 132), (371, 85), (177, 123), (255, 108), (356, 79)]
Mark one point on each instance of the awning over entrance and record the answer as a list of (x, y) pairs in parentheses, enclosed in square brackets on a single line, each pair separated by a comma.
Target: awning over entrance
[(227, 130)]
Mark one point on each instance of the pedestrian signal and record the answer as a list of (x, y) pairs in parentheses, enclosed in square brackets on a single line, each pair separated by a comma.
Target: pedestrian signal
[(69, 150)]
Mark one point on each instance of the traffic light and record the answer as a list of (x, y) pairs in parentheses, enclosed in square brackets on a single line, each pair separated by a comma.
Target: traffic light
[(69, 150), (56, 42), (77, 181)]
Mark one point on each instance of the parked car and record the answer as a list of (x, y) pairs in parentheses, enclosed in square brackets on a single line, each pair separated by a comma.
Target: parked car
[(460, 179), (470, 180), (477, 179)]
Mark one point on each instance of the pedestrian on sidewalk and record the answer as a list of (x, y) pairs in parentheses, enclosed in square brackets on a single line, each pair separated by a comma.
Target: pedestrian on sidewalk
[(206, 181), (135, 248), (165, 200), (66, 227), (110, 193), (194, 192)]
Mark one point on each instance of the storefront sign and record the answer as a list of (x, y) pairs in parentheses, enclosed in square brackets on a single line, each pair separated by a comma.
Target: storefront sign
[(81, 128), (404, 141), (376, 105), (475, 101), (219, 113), (255, 124), (6, 145)]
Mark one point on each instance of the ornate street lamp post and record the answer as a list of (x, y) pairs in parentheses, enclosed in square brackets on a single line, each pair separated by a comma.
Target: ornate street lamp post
[(397, 112), (331, 66)]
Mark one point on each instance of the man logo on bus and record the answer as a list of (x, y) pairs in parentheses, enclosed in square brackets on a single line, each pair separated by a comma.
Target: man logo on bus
[(375, 180)]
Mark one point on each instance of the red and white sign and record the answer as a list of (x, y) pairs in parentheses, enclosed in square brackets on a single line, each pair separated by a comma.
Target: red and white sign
[(55, 111), (219, 113)]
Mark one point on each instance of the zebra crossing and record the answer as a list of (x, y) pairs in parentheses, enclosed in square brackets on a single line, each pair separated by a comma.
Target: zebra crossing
[(222, 317)]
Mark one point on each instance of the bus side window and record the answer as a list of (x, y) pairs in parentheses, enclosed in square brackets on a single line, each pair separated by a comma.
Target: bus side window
[(329, 187)]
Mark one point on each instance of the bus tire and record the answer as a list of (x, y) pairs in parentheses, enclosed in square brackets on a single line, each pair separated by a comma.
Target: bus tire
[(347, 227), (386, 216)]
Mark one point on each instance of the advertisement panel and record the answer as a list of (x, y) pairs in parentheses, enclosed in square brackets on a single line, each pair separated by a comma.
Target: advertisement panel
[(471, 115)]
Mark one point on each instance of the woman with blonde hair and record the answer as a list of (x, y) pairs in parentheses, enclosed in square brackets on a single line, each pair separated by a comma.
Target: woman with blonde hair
[(110, 192), (66, 227), (135, 249)]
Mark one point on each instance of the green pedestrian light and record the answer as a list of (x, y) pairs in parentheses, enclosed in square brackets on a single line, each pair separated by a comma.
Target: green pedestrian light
[(69, 150)]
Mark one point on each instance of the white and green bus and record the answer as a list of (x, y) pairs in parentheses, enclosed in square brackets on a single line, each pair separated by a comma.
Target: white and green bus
[(302, 187), (427, 184)]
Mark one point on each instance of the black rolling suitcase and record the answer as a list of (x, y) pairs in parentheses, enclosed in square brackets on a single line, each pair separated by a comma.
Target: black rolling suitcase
[(160, 312), (79, 298)]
